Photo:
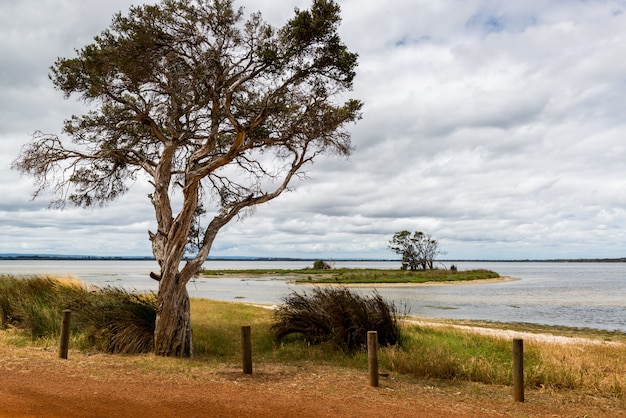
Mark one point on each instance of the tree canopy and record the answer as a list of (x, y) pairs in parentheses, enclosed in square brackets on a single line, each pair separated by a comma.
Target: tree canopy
[(418, 251), (205, 105)]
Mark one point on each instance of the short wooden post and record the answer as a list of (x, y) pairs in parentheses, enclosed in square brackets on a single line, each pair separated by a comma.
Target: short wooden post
[(372, 357), (246, 345), (518, 370), (65, 333)]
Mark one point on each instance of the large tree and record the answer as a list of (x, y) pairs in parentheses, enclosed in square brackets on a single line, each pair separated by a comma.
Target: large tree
[(218, 110), (418, 251)]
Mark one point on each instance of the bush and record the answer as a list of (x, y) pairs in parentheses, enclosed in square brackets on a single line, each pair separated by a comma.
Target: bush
[(339, 316), (35, 304), (321, 265), (117, 321), (112, 320)]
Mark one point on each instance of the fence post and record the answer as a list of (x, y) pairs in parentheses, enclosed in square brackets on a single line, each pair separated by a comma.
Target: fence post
[(372, 357), (246, 345), (65, 333), (518, 370)]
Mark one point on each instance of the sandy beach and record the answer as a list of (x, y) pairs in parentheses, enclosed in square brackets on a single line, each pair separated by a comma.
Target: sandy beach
[(443, 283)]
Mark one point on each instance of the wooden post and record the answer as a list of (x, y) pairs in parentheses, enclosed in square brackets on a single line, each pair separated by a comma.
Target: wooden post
[(372, 357), (65, 333), (518, 370), (246, 345)]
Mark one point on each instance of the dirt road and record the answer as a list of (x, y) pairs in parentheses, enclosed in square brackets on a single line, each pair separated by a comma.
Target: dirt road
[(34, 383)]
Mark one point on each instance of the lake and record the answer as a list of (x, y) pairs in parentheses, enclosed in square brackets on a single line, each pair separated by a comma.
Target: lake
[(589, 295)]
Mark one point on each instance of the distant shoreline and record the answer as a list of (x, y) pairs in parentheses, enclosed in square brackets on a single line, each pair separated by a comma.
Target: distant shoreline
[(36, 257)]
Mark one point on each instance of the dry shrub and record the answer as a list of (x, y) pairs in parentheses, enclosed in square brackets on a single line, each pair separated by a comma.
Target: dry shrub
[(118, 321), (337, 315)]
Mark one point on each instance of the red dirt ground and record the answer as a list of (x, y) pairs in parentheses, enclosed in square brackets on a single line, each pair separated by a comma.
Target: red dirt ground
[(34, 383)]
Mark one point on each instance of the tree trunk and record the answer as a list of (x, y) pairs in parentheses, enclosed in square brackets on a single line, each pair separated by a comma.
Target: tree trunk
[(172, 332)]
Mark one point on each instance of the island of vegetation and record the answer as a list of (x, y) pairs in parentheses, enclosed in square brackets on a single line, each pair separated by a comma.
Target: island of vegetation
[(418, 251), (360, 275)]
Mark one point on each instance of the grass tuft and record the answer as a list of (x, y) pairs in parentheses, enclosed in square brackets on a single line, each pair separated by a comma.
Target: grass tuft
[(337, 315), (110, 319)]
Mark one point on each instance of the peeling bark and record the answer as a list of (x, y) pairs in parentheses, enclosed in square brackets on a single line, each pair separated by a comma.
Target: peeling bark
[(172, 333)]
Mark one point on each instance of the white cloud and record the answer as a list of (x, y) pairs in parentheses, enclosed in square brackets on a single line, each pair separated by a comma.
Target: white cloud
[(495, 126)]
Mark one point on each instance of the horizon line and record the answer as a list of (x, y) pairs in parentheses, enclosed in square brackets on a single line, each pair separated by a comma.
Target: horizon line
[(14, 256)]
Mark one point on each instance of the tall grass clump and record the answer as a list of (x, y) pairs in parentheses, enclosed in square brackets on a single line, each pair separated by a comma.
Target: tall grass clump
[(108, 319), (35, 304), (117, 321), (339, 316), (451, 354)]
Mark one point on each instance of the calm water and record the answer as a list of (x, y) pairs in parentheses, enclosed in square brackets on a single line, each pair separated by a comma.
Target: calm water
[(572, 294)]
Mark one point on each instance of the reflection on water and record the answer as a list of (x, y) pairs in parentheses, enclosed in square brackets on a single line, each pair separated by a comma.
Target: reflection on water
[(571, 294)]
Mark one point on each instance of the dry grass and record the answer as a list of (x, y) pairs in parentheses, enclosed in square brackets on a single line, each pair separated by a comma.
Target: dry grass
[(558, 359), (108, 319), (598, 369)]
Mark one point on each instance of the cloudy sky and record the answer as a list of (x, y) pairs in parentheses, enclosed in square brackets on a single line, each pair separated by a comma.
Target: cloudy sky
[(499, 127)]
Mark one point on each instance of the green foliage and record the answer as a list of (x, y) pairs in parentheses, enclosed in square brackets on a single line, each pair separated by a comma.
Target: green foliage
[(337, 315), (35, 304), (192, 97), (373, 276), (110, 320), (164, 73), (321, 265), (418, 250), (352, 275)]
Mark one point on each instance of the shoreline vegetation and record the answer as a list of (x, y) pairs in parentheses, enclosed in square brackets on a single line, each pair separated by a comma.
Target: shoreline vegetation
[(582, 364), (363, 276)]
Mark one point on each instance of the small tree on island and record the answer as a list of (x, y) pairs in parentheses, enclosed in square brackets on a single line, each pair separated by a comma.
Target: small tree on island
[(218, 112), (321, 265), (418, 250)]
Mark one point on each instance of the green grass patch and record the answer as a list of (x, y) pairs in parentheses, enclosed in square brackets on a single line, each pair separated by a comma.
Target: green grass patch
[(216, 328), (362, 276), (356, 276), (441, 352), (452, 354), (260, 272)]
